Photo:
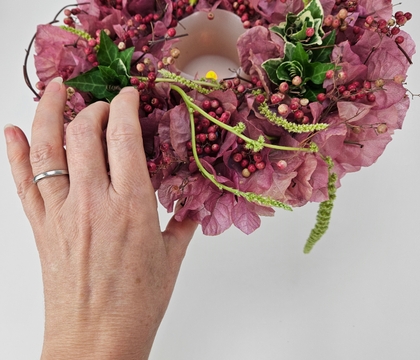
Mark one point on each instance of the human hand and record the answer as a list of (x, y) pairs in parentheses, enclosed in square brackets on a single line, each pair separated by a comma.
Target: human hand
[(108, 270)]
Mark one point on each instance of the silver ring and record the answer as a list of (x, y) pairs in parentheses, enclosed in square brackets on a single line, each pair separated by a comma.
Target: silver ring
[(49, 174)]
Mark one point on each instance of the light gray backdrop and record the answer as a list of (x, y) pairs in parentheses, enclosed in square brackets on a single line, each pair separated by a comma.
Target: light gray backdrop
[(356, 296)]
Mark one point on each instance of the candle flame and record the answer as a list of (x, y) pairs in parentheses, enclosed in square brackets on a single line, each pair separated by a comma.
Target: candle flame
[(211, 75)]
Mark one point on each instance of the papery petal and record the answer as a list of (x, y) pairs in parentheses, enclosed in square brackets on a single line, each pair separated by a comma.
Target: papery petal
[(244, 218), (56, 53)]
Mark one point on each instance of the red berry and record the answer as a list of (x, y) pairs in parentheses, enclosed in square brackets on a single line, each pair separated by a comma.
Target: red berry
[(171, 32), (401, 20), (399, 39), (260, 165), (294, 106), (214, 104), (202, 137), (151, 76), (134, 81), (329, 74), (298, 114), (398, 14), (371, 97), (237, 157), (310, 32), (212, 136), (260, 98), (215, 147), (284, 87), (244, 163), (321, 97), (206, 105), (395, 30), (252, 168), (257, 157), (151, 166)]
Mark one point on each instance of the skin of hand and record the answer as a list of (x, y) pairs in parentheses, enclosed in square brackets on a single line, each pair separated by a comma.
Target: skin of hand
[(108, 270)]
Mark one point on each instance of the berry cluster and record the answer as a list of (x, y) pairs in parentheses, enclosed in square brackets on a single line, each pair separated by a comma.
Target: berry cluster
[(338, 21), (117, 4), (356, 90), (69, 19), (181, 9), (391, 27), (248, 15), (208, 135), (349, 5), (249, 161)]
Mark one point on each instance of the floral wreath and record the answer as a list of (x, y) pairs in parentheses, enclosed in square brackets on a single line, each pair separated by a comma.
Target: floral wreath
[(319, 93)]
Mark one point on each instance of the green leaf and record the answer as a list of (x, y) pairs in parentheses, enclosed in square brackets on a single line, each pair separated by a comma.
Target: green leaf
[(109, 76), (289, 49), (323, 55), (93, 82), (316, 9), (108, 51), (318, 72), (270, 67), (126, 57), (279, 30), (119, 67), (288, 70), (300, 54), (306, 21), (312, 91)]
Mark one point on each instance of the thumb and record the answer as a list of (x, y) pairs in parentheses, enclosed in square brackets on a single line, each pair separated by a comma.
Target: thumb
[(178, 235)]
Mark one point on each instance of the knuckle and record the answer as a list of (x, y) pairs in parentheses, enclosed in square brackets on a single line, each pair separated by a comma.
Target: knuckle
[(41, 153), (17, 157), (124, 134), (80, 129), (23, 188)]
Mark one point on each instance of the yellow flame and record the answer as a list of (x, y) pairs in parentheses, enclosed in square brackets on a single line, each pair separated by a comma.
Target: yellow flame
[(211, 75)]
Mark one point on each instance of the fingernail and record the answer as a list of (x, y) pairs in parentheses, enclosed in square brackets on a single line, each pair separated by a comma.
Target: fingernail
[(127, 89), (10, 133), (55, 84)]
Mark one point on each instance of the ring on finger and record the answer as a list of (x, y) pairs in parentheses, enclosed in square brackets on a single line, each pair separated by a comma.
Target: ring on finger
[(49, 173)]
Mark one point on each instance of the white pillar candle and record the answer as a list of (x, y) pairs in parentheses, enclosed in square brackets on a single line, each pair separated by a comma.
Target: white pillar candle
[(210, 44)]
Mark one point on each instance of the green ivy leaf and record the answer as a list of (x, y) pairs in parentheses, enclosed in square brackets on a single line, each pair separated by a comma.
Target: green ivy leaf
[(126, 57), (288, 70), (300, 55), (307, 21), (92, 82), (315, 7), (108, 51), (105, 81), (324, 53), (312, 91), (270, 66), (318, 72), (109, 76), (119, 67)]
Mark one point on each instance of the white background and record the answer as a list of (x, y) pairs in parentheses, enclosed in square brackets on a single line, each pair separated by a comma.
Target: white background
[(356, 296)]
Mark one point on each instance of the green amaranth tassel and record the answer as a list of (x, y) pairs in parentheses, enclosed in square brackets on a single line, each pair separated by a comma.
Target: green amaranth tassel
[(324, 211)]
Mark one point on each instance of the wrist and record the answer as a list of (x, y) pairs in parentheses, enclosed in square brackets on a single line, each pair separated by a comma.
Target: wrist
[(110, 340)]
